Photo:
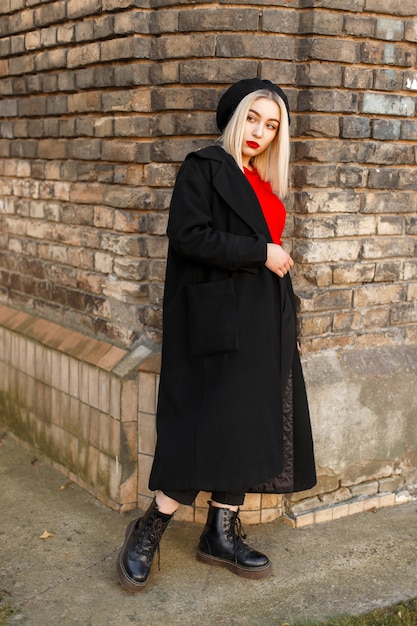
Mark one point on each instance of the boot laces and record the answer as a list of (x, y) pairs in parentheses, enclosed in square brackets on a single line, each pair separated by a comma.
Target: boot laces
[(237, 535), (150, 537)]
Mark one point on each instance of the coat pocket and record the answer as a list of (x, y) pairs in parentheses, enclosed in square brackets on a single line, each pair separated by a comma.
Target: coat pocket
[(212, 317)]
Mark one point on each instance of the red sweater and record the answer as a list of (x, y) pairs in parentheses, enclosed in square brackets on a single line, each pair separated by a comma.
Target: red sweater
[(272, 207)]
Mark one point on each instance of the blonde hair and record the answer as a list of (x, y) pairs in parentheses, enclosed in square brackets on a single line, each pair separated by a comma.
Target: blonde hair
[(272, 164)]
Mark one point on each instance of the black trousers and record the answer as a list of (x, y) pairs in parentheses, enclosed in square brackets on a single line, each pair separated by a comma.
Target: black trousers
[(188, 497)]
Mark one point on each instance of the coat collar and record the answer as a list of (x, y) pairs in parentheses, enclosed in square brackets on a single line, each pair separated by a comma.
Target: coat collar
[(232, 185)]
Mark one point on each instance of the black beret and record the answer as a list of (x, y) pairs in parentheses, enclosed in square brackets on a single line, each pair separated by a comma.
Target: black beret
[(235, 94)]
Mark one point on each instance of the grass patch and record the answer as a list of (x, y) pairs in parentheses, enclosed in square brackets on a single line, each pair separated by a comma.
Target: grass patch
[(402, 614), (6, 609)]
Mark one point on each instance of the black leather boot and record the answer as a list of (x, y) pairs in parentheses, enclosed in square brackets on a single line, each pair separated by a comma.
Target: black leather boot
[(221, 544), (142, 539)]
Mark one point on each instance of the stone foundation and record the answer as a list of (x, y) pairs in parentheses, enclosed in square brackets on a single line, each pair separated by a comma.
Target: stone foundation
[(61, 394), (363, 409), (89, 407)]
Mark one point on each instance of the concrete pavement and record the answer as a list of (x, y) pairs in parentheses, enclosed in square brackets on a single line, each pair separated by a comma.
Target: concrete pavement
[(348, 566)]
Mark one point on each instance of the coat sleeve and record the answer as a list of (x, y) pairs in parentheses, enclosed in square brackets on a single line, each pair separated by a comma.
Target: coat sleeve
[(191, 230)]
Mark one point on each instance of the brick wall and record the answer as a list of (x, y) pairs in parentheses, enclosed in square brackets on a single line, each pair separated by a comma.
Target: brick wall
[(354, 229), (102, 99)]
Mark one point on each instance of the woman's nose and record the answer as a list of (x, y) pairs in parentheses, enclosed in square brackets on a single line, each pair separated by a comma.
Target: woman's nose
[(257, 130)]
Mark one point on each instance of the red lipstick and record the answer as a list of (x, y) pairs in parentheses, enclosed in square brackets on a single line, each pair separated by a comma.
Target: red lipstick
[(252, 144)]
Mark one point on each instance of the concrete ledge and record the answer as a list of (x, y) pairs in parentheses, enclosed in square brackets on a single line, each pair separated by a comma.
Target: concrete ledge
[(93, 351)]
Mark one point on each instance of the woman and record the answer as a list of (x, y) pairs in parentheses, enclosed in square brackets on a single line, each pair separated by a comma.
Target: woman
[(232, 411)]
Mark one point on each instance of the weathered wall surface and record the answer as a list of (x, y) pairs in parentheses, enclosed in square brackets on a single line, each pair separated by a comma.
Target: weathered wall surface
[(100, 100), (365, 430)]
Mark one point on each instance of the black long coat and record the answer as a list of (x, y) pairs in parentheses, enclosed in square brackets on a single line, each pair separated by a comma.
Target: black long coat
[(232, 410)]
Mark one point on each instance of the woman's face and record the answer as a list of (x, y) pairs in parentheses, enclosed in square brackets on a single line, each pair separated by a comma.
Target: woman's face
[(261, 127)]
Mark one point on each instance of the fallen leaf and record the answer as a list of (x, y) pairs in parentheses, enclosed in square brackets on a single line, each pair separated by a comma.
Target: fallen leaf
[(65, 485), (45, 535)]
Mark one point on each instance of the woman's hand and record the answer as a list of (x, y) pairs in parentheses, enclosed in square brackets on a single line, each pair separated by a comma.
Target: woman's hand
[(277, 260)]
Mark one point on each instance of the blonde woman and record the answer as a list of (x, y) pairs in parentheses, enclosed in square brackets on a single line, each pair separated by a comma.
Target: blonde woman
[(232, 411)]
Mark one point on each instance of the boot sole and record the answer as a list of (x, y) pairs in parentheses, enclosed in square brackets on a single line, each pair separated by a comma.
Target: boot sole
[(124, 579), (126, 582), (244, 572)]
